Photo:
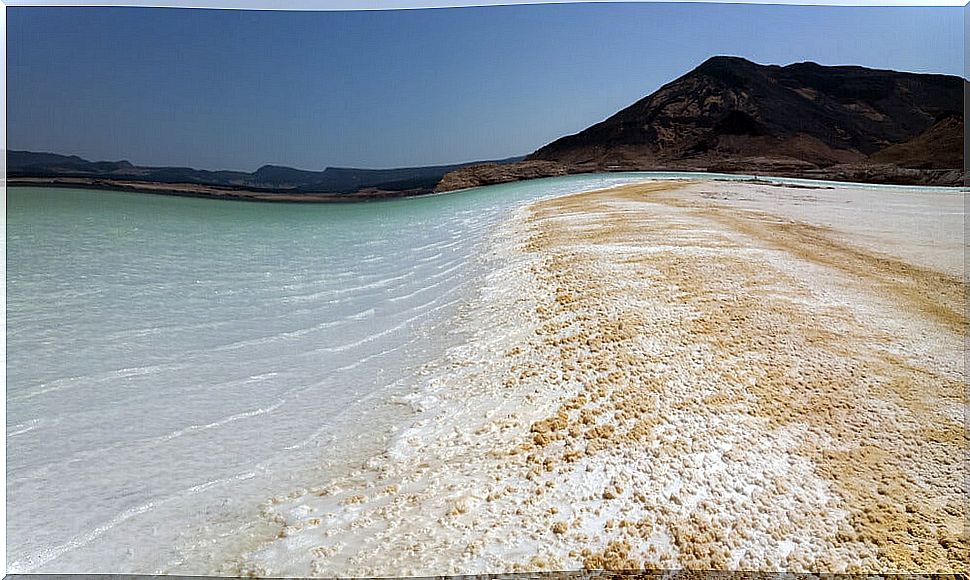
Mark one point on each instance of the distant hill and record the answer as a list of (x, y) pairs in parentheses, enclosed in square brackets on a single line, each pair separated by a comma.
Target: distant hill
[(269, 178), (730, 114)]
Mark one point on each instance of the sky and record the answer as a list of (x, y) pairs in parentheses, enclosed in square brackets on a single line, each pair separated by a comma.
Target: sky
[(237, 89)]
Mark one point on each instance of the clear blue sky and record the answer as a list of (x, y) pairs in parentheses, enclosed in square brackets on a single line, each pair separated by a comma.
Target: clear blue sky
[(228, 89)]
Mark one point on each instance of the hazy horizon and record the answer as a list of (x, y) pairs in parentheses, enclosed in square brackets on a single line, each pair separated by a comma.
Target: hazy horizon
[(235, 90)]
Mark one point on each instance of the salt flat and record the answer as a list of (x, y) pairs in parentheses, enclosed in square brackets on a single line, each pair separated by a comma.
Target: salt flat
[(922, 225), (677, 375)]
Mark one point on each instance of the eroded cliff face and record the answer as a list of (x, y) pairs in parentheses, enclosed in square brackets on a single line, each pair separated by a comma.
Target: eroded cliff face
[(492, 173)]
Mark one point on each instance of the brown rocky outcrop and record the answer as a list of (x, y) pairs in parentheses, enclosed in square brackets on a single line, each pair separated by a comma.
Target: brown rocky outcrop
[(492, 173)]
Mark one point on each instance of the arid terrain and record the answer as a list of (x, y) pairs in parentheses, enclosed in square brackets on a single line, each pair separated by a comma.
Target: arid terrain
[(730, 115), (665, 375)]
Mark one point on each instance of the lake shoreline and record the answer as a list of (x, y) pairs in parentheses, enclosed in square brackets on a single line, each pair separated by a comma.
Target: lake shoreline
[(633, 369), (657, 379), (456, 185), (265, 328), (872, 174)]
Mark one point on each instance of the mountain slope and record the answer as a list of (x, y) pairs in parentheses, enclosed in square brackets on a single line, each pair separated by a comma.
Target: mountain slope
[(804, 120), (729, 107), (939, 147)]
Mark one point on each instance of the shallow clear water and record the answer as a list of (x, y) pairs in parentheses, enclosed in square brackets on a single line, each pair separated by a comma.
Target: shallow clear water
[(170, 359), (172, 362)]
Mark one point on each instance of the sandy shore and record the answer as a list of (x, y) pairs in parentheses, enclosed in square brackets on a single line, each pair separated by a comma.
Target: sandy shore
[(692, 375)]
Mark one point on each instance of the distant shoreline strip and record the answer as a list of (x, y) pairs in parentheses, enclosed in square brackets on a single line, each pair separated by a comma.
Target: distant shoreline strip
[(565, 575), (206, 191)]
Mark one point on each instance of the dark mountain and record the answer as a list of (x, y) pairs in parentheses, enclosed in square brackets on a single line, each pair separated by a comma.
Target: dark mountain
[(939, 147), (269, 178), (729, 107)]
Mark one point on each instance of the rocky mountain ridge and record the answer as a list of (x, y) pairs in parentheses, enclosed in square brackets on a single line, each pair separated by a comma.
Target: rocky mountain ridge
[(801, 120), (51, 168)]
